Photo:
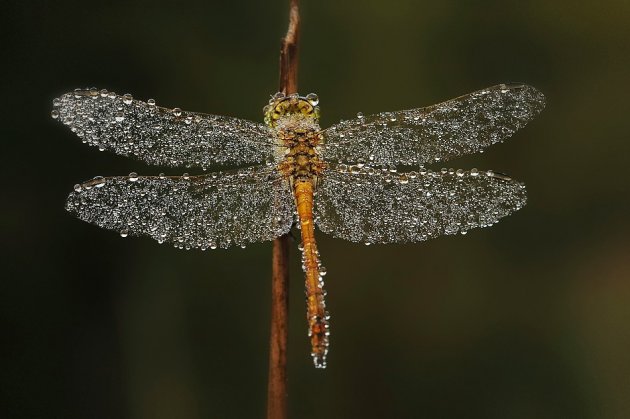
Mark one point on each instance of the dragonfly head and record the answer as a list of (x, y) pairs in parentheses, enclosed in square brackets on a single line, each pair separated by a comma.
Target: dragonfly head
[(292, 105)]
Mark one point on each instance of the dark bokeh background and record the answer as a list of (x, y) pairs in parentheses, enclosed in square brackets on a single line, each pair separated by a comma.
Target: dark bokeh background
[(528, 319)]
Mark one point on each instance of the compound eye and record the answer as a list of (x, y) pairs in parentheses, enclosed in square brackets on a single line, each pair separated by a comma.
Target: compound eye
[(305, 108)]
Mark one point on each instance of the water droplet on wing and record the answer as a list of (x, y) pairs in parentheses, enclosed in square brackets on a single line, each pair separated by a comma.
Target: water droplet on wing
[(127, 99)]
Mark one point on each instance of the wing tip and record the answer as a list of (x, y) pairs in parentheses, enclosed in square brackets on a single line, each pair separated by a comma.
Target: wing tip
[(538, 97)]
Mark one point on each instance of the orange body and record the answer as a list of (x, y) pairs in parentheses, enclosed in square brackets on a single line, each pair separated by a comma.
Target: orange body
[(294, 120)]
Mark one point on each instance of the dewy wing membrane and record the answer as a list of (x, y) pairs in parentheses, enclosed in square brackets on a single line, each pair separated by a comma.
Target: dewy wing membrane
[(376, 206), (459, 126), (214, 210), (161, 136)]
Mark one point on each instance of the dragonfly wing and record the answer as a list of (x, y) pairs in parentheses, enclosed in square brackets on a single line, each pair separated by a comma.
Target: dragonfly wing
[(220, 210), (160, 136), (440, 132), (374, 206)]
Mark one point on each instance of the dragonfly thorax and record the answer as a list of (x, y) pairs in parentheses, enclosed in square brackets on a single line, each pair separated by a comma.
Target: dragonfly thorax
[(301, 158)]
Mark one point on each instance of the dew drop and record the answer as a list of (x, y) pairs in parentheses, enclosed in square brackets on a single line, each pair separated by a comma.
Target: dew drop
[(100, 181), (360, 115), (54, 113), (177, 112), (133, 177), (474, 172), (77, 188), (312, 98), (120, 116), (151, 102), (124, 233), (127, 99)]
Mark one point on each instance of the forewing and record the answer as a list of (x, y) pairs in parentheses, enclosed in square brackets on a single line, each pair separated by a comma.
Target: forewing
[(440, 132), (160, 136), (374, 206), (215, 210)]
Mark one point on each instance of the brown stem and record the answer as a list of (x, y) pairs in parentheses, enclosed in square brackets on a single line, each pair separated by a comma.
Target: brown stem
[(289, 52), (277, 384)]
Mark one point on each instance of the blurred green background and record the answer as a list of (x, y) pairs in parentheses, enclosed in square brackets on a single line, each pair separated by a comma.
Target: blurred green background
[(528, 319)]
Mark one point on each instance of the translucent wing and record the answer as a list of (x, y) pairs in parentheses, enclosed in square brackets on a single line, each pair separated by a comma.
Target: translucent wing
[(374, 206), (239, 207), (440, 132), (160, 136)]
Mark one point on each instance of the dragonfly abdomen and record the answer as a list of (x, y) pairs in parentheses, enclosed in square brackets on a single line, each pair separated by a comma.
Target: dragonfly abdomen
[(316, 314)]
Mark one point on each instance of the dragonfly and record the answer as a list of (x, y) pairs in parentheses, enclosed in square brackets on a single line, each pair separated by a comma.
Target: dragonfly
[(345, 179)]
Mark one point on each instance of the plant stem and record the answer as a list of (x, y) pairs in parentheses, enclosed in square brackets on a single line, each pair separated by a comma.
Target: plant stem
[(277, 384)]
